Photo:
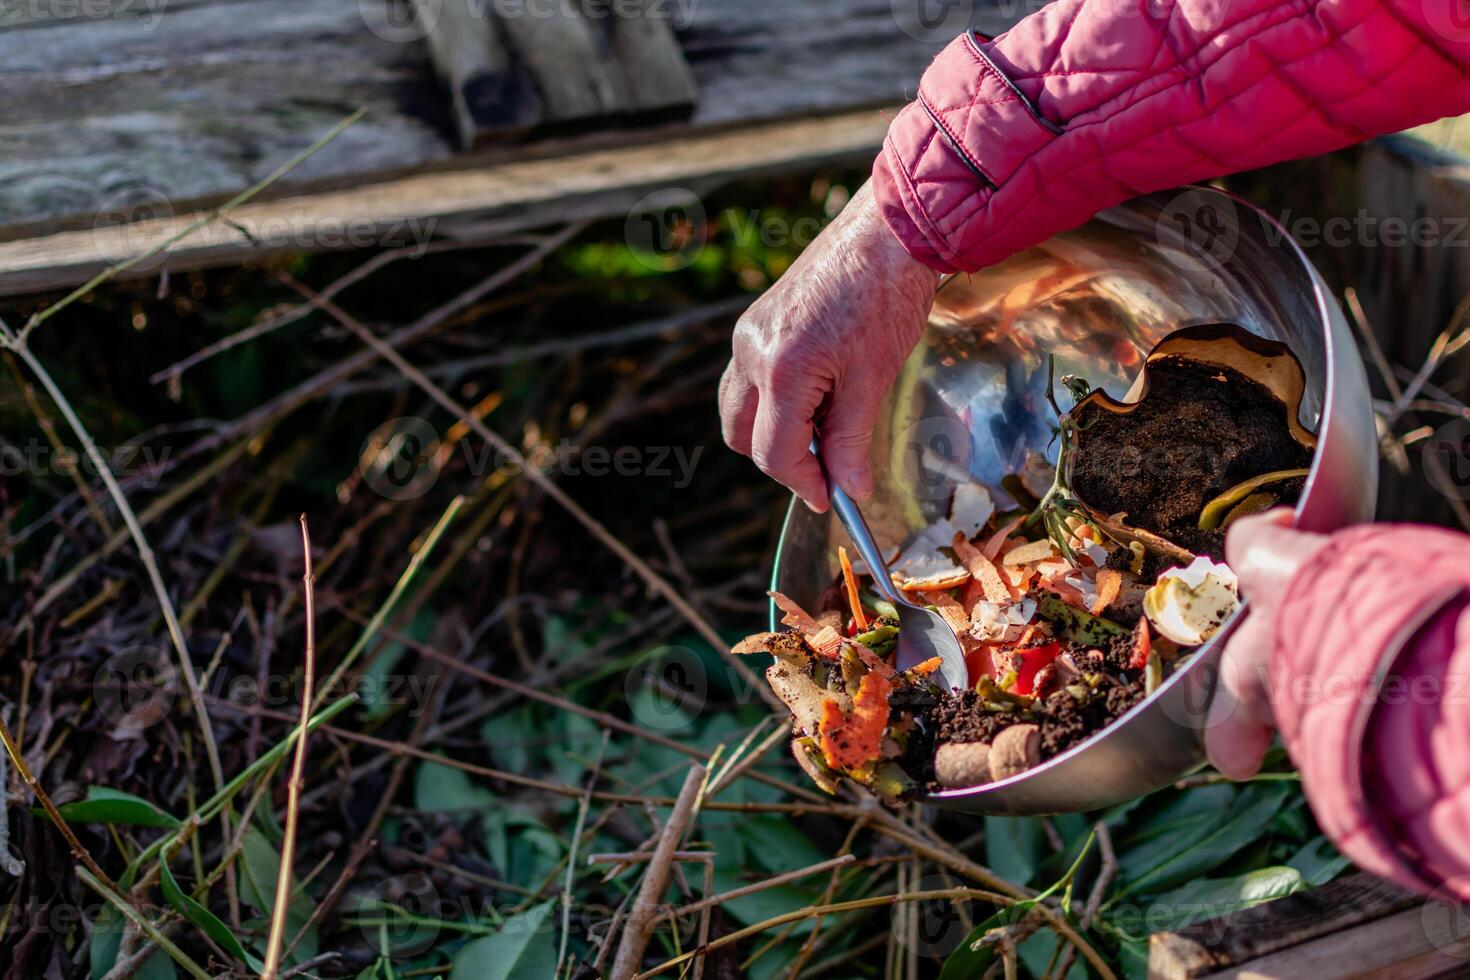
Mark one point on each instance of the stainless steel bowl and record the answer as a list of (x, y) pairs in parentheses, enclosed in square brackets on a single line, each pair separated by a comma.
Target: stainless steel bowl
[(970, 404)]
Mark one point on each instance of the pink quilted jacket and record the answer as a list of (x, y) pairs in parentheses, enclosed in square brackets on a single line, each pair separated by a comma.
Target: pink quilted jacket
[(1090, 102)]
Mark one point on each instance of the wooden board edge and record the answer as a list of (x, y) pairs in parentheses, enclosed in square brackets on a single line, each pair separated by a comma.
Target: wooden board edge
[(1229, 940), (410, 209)]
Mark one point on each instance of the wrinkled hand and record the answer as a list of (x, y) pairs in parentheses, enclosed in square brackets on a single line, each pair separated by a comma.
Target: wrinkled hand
[(834, 330), (1265, 553)]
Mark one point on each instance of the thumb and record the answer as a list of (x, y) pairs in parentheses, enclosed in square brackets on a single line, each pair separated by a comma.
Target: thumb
[(847, 433), (1238, 730)]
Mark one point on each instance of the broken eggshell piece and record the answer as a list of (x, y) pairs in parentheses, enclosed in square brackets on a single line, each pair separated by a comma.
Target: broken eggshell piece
[(1188, 605)]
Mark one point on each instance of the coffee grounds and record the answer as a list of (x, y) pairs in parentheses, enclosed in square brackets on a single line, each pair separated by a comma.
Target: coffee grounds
[(960, 716), (1201, 430)]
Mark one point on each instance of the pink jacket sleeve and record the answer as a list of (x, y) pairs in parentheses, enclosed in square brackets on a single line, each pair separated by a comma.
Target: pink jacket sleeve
[(1371, 689), (1090, 102)]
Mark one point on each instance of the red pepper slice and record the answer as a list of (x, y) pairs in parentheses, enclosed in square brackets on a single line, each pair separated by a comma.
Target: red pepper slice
[(1143, 644), (1028, 663)]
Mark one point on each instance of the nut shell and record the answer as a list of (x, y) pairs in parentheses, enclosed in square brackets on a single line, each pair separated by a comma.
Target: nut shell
[(1015, 750), (960, 764)]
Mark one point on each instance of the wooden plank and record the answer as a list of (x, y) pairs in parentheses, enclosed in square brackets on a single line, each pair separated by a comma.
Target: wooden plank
[(659, 78), (1406, 946), (566, 60), (485, 200), (1240, 937), (491, 96), (211, 95)]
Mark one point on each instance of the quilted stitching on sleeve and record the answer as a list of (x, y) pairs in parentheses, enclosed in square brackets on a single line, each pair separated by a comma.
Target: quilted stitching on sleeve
[(1368, 686), (1152, 96)]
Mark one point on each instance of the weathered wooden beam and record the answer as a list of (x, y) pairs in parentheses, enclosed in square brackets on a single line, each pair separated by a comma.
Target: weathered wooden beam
[(208, 96), (491, 96), (643, 42), (1331, 914), (485, 200)]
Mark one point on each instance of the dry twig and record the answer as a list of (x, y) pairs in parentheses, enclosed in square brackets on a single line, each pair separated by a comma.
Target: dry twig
[(298, 766), (641, 918)]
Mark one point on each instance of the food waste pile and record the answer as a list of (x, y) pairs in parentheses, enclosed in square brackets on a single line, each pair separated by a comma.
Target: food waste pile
[(1075, 589)]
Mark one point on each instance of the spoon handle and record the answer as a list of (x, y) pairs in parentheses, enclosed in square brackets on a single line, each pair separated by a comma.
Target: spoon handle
[(851, 517)]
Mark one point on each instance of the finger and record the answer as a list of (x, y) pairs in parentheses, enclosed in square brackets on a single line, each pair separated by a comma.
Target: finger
[(1265, 551), (847, 432), (738, 401), (1251, 532), (1239, 727), (781, 445)]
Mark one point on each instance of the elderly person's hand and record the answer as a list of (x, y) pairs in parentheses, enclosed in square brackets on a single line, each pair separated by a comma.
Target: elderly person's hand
[(1265, 553), (829, 337)]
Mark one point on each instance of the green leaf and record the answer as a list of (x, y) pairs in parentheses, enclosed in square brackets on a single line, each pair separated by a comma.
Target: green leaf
[(1201, 841), (102, 946), (523, 949), (104, 805), (260, 863), (768, 902), (520, 846), (508, 734), (777, 845), (1036, 953), (439, 788), (206, 920), (103, 943), (1318, 861), (1133, 958), (1014, 847), (966, 962), (1206, 898)]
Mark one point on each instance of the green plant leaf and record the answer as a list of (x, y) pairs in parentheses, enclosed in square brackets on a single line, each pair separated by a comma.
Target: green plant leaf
[(206, 920), (967, 962), (1014, 847), (768, 902), (259, 865), (777, 845), (523, 949), (1203, 842), (439, 788), (1206, 898), (1318, 861), (104, 805), (1133, 958), (102, 946)]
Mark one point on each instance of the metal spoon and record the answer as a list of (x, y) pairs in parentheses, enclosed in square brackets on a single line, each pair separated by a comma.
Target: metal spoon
[(922, 633)]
